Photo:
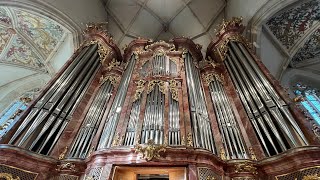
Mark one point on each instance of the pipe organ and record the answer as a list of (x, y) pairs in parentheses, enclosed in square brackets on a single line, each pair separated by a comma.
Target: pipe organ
[(162, 104)]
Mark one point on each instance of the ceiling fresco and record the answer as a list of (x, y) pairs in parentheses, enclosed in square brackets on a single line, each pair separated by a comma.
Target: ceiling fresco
[(28, 39), (310, 50), (292, 25)]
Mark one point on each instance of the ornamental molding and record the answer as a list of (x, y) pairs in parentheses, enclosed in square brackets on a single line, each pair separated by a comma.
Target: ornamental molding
[(114, 79), (113, 64), (152, 84), (228, 25), (208, 78), (245, 167), (150, 151), (139, 90), (173, 87), (66, 166)]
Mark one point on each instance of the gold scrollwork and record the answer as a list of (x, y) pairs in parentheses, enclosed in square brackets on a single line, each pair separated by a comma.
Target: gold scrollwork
[(63, 154), (189, 140), (223, 154), (245, 167), (139, 90), (211, 178), (226, 24), (8, 176), (116, 141), (223, 47), (208, 78), (103, 50), (160, 83), (311, 177), (151, 151), (173, 87), (183, 141), (113, 63), (66, 166), (114, 79), (252, 154), (159, 52)]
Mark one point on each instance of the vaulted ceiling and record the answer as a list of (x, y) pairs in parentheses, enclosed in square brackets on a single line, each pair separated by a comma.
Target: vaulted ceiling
[(297, 30), (28, 41), (164, 19)]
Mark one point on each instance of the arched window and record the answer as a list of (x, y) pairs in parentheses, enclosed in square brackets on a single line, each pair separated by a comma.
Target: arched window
[(11, 114), (309, 99)]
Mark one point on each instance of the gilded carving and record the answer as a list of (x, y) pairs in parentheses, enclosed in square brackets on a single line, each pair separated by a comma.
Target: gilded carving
[(8, 176), (311, 177), (208, 78), (227, 24), (252, 154), (183, 141), (112, 64), (245, 167), (139, 90), (67, 166), (189, 140), (223, 154), (103, 51), (114, 79), (116, 140), (211, 178), (25, 99), (63, 154), (151, 151), (160, 83), (91, 151), (173, 87)]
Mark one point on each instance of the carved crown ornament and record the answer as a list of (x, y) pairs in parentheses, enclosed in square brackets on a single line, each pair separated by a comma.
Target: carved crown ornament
[(227, 25), (150, 151)]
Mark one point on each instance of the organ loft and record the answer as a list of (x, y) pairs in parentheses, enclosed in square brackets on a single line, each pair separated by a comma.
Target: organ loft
[(161, 110)]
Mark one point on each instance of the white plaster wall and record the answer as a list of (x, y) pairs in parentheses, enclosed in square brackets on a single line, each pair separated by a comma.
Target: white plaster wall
[(15, 89), (271, 56), (244, 8), (81, 11)]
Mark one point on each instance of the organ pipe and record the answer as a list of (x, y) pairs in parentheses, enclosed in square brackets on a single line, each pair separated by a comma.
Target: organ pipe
[(83, 140), (42, 127), (114, 114), (231, 136), (201, 126)]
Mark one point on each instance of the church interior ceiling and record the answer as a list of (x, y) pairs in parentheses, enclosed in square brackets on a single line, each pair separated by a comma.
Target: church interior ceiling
[(163, 20), (297, 29), (28, 40)]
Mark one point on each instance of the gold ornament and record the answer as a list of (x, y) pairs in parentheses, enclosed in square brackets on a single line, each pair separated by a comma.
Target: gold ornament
[(160, 83), (8, 176), (245, 167), (67, 166), (252, 154), (208, 78), (151, 151), (116, 140), (189, 140), (223, 154), (173, 87), (183, 141), (311, 177), (139, 90), (210, 178), (228, 24), (112, 64), (114, 79), (63, 154)]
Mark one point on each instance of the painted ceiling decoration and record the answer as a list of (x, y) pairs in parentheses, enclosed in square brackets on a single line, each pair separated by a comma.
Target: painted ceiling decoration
[(28, 39), (291, 27), (310, 50)]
